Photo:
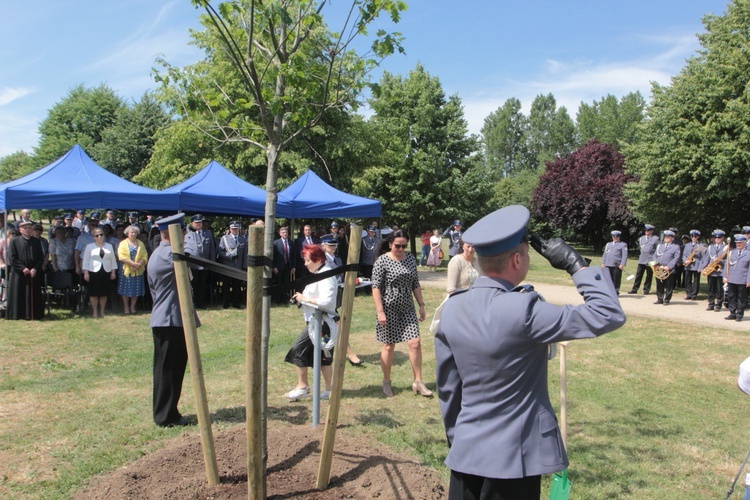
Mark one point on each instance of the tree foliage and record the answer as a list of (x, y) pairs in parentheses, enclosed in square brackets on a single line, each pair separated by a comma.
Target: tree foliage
[(504, 139), (81, 117), (611, 121), (551, 132), (692, 160), (15, 165), (583, 192), (426, 168)]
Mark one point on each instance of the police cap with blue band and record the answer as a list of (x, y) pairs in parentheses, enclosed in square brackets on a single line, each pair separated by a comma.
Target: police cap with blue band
[(164, 222), (498, 232)]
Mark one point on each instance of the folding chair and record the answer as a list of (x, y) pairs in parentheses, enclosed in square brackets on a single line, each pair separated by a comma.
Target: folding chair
[(59, 285)]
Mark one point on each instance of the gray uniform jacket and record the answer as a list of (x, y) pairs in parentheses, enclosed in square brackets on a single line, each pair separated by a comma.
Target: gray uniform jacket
[(200, 244), (668, 255), (491, 348), (233, 253), (648, 247), (615, 254), (161, 282), (737, 264)]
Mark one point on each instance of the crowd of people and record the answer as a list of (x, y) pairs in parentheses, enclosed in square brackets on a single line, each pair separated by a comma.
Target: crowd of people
[(681, 264)]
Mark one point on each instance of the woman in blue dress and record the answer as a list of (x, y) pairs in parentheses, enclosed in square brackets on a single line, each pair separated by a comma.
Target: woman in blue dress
[(133, 257)]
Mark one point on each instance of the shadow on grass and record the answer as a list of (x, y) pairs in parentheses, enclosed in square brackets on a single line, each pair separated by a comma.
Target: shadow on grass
[(382, 417)]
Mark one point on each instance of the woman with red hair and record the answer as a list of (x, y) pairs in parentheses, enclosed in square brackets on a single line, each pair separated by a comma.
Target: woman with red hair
[(322, 295)]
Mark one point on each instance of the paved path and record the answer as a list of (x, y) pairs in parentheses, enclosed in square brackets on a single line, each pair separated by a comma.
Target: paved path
[(684, 311)]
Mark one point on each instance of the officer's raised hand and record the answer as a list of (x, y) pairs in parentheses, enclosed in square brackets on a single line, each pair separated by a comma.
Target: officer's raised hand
[(559, 254)]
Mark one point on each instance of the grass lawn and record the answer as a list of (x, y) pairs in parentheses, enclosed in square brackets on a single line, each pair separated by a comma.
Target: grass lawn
[(654, 411)]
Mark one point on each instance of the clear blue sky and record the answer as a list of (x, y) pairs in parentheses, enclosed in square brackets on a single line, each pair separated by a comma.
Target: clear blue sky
[(486, 51)]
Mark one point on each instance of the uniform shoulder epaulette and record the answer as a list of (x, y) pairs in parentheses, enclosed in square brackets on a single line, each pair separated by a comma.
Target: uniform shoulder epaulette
[(458, 292)]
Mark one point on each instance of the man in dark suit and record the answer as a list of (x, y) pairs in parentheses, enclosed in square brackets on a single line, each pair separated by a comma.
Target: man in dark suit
[(307, 238), (492, 348), (283, 263)]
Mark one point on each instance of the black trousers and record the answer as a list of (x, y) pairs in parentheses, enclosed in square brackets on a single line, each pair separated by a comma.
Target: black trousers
[(692, 283), (200, 285), (469, 487), (715, 291), (664, 288), (639, 276), (170, 360), (283, 277), (616, 274), (737, 298)]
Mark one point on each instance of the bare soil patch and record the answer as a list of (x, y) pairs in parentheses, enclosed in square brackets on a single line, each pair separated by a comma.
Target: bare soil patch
[(360, 469)]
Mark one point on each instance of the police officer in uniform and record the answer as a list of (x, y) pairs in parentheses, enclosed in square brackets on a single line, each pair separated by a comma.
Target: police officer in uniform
[(737, 278), (492, 346), (693, 266), (170, 350), (614, 258), (667, 255), (233, 252), (370, 251), (647, 243), (715, 280), (200, 243)]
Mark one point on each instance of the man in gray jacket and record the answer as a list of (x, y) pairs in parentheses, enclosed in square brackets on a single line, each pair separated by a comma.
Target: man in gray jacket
[(492, 346), (170, 350)]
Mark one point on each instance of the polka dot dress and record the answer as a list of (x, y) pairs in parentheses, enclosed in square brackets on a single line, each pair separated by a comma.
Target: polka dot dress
[(396, 280)]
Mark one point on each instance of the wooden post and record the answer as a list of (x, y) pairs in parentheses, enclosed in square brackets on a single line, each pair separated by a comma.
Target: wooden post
[(563, 393), (194, 356), (339, 361), (256, 486)]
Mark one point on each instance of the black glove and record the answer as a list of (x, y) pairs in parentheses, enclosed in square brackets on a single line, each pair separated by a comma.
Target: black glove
[(559, 254)]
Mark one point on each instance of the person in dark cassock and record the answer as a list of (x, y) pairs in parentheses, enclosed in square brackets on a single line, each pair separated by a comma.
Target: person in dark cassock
[(25, 261)]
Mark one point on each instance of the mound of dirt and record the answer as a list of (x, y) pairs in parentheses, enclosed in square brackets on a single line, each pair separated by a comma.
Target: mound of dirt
[(360, 469)]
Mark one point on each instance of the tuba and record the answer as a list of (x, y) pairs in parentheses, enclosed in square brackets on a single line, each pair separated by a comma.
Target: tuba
[(715, 265), (660, 272)]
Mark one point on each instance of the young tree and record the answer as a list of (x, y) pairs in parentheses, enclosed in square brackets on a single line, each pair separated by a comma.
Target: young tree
[(426, 171), (272, 70), (583, 192), (692, 159)]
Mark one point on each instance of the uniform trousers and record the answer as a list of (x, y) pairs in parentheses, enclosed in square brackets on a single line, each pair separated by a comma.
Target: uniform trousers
[(639, 276), (200, 287), (469, 487), (616, 275), (170, 360), (715, 291), (737, 298), (664, 288), (692, 284)]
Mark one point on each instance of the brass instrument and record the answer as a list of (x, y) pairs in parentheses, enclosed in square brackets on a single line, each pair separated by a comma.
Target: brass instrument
[(715, 264), (660, 272), (691, 256)]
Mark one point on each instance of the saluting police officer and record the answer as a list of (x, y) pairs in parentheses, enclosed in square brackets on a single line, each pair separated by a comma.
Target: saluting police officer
[(492, 347), (170, 350), (614, 258)]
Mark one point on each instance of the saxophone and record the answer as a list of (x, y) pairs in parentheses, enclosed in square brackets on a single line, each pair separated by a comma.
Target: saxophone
[(715, 265), (691, 257)]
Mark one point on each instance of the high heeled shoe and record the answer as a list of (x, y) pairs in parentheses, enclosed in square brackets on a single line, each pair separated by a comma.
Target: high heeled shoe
[(419, 388), (387, 389), (355, 363)]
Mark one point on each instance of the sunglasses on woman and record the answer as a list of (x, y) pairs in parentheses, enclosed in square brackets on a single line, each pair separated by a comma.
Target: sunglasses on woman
[(399, 246)]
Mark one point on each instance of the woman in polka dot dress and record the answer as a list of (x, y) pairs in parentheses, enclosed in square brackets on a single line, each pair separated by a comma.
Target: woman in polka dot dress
[(394, 280)]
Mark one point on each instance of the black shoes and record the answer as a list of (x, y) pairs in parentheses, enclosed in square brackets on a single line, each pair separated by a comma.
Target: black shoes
[(732, 316), (633, 291), (710, 307), (659, 302), (180, 422), (358, 363)]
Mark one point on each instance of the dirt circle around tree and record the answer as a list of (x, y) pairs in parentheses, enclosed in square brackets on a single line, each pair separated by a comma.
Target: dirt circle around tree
[(361, 468)]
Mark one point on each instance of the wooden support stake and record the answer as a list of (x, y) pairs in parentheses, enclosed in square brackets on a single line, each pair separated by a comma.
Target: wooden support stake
[(194, 356), (256, 486), (339, 361)]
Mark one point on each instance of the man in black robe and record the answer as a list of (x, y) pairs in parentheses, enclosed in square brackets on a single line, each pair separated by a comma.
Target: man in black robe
[(26, 258)]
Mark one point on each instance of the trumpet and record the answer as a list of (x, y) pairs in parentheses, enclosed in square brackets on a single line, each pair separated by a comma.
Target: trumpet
[(660, 272)]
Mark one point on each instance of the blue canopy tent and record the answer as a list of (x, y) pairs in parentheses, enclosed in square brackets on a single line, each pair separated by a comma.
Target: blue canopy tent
[(216, 190), (76, 181), (310, 197)]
